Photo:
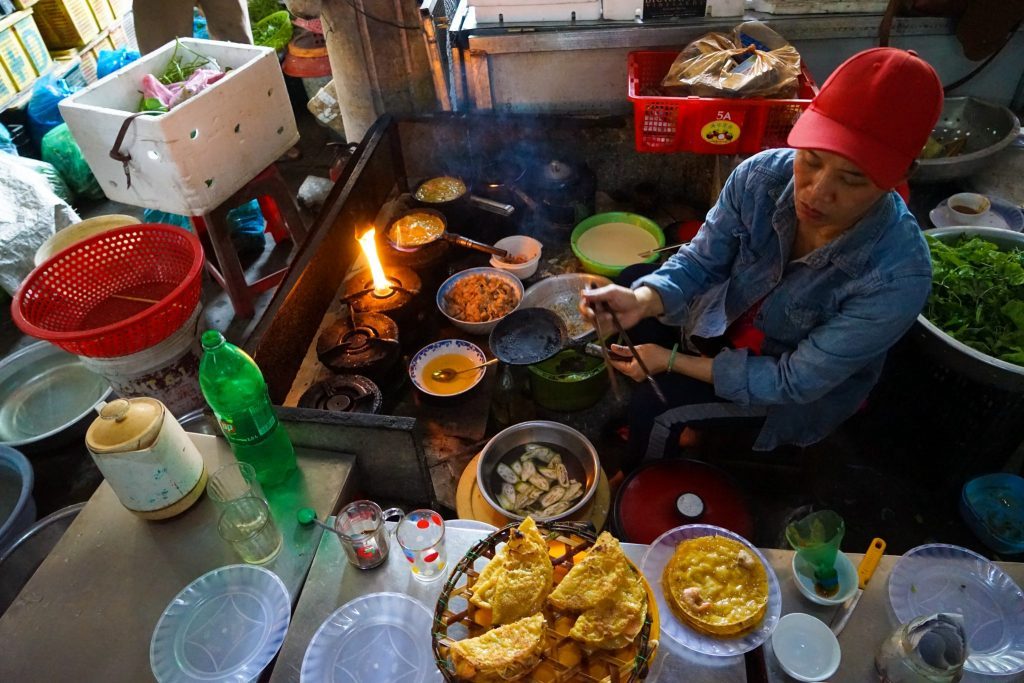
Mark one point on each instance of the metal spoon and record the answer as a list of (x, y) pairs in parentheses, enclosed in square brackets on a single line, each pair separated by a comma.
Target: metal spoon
[(448, 374)]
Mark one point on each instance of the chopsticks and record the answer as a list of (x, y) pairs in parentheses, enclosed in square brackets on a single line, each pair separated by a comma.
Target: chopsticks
[(652, 252), (640, 361), (612, 375)]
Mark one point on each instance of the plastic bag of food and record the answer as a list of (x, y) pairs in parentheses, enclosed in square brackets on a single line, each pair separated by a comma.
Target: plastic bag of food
[(60, 149), (110, 61), (752, 61), (43, 114), (273, 30)]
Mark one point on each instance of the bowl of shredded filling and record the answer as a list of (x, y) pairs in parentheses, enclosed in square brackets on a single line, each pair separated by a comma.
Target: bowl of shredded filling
[(477, 298)]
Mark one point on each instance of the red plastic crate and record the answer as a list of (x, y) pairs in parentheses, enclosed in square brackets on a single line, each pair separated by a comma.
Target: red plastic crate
[(706, 125)]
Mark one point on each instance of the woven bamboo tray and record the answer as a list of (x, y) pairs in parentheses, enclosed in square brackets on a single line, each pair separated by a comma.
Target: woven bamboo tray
[(563, 659)]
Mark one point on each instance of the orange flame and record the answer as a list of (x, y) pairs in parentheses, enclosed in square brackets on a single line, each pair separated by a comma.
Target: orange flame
[(381, 285)]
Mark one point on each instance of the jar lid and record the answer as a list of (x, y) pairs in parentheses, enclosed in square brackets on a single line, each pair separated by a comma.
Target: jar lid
[(668, 493), (125, 425)]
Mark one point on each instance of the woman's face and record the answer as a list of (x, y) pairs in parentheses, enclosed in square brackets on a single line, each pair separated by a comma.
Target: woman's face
[(831, 191)]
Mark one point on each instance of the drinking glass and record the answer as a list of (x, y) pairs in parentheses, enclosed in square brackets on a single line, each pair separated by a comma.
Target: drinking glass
[(247, 525), (421, 535), (234, 481), (360, 526)]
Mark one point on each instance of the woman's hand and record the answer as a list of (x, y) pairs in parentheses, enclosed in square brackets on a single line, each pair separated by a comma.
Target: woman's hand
[(654, 357), (630, 305)]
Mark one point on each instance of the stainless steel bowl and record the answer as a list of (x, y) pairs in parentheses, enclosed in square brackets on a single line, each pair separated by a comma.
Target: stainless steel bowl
[(47, 397), (956, 355), (561, 294), (982, 127), (537, 431)]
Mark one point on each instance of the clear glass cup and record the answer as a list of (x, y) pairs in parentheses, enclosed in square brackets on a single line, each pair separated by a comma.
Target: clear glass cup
[(246, 523), (421, 536), (234, 481), (360, 526)]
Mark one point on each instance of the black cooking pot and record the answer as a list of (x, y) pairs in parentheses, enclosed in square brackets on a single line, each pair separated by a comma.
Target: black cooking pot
[(564, 191)]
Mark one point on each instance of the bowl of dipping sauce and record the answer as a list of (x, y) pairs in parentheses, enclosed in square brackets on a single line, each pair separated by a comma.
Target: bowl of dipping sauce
[(523, 256), (447, 353), (606, 243)]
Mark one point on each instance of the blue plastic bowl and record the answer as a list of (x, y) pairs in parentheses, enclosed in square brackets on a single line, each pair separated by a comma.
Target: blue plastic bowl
[(17, 507), (993, 507)]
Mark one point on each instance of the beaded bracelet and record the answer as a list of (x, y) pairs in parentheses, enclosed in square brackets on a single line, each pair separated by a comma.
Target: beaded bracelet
[(672, 357)]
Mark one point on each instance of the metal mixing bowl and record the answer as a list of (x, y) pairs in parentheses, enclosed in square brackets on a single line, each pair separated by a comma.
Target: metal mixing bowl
[(981, 127), (956, 355), (537, 431), (47, 397)]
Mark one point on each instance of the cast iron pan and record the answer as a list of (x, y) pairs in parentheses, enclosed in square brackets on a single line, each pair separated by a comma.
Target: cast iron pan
[(527, 336)]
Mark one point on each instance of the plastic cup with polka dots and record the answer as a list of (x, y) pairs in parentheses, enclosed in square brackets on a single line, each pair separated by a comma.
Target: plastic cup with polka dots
[(421, 536)]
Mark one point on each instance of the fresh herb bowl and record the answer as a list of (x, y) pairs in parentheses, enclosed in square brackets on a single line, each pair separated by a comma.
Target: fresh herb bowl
[(954, 354)]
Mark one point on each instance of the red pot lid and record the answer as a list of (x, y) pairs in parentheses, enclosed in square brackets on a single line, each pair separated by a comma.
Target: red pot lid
[(668, 493)]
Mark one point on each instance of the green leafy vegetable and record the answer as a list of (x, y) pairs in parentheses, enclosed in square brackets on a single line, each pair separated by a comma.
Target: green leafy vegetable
[(978, 296)]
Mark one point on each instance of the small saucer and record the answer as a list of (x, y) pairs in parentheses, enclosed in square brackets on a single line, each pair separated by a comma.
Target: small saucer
[(803, 575), (1004, 215)]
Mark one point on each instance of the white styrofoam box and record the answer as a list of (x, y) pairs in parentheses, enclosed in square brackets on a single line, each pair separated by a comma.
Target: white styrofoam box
[(623, 10), (192, 158), (819, 6), (586, 10)]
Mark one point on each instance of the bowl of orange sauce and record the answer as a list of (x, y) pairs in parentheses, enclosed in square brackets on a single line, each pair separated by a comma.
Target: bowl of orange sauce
[(447, 353)]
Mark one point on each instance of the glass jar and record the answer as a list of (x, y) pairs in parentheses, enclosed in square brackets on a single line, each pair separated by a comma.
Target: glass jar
[(929, 649)]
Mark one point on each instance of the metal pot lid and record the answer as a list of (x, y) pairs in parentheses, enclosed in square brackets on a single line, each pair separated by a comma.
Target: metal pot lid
[(556, 173), (668, 493), (126, 425)]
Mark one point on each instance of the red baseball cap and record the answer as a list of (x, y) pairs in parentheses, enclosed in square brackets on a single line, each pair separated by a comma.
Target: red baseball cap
[(877, 109)]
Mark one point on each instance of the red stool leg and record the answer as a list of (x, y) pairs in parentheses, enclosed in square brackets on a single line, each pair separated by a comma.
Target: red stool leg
[(231, 276)]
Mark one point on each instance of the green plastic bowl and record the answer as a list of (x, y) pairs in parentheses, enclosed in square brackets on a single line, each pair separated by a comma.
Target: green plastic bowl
[(592, 266)]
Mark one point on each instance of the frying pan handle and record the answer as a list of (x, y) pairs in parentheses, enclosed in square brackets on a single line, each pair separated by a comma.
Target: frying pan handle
[(473, 244), (492, 206)]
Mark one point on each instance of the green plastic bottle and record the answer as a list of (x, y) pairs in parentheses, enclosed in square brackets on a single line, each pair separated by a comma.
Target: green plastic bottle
[(234, 387)]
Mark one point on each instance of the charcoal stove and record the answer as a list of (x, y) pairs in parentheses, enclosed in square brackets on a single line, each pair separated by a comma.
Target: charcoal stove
[(400, 301), (344, 394), (363, 343)]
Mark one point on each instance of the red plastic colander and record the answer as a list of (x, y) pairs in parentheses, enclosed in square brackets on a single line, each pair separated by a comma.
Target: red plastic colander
[(95, 298)]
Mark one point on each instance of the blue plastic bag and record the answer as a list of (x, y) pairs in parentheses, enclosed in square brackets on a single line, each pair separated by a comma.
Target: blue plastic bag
[(158, 216), (199, 29), (6, 143), (110, 61), (43, 114)]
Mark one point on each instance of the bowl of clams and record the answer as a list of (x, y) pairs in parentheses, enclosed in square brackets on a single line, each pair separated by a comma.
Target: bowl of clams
[(539, 469)]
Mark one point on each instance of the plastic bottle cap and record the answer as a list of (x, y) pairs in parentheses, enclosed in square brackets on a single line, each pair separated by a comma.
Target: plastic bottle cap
[(126, 425), (212, 339)]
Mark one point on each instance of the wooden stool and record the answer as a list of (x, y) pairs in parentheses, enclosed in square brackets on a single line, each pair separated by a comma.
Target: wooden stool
[(283, 222)]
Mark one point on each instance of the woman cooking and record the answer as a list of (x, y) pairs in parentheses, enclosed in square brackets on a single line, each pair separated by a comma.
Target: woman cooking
[(805, 272)]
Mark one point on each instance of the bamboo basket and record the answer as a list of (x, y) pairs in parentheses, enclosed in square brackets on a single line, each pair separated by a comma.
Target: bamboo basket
[(563, 659)]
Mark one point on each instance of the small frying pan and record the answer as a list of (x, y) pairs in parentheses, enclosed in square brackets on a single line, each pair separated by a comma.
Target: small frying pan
[(452, 185), (528, 335), (443, 234)]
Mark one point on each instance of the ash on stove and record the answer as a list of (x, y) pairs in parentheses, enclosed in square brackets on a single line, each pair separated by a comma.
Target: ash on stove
[(363, 342), (344, 394)]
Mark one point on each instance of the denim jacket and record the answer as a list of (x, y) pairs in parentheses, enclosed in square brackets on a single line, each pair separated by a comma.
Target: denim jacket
[(828, 318)]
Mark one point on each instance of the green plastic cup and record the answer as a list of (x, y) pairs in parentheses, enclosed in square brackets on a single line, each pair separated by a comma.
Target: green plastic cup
[(816, 538)]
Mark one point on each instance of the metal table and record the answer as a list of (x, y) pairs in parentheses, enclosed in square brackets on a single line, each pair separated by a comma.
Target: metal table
[(332, 582), (89, 611)]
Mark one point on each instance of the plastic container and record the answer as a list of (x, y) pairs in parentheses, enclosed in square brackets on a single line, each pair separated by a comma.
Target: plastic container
[(236, 391), (91, 298), (168, 371), (17, 507), (568, 381), (62, 239), (192, 158), (592, 266), (993, 507), (66, 23), (706, 125)]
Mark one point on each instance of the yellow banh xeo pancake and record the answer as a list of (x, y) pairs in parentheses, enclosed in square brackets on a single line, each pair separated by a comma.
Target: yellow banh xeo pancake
[(616, 244), (506, 653), (716, 585), (607, 591), (515, 583)]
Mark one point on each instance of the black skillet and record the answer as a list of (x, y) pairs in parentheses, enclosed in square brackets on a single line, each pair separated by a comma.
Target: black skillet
[(463, 200)]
